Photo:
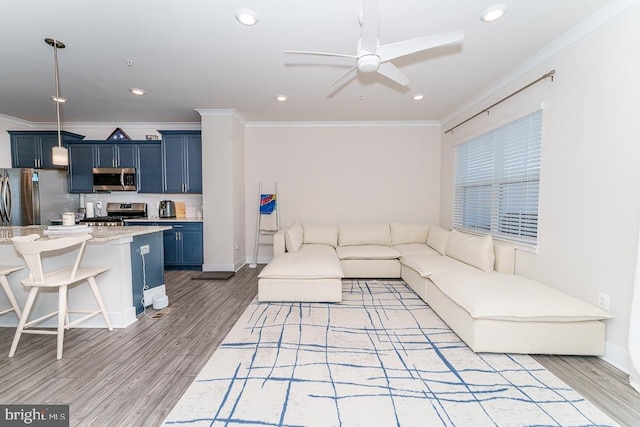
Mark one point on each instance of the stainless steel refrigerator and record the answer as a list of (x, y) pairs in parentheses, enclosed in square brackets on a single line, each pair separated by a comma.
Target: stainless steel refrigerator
[(34, 196)]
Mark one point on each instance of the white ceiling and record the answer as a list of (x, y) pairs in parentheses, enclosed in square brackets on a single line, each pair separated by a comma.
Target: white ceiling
[(193, 54)]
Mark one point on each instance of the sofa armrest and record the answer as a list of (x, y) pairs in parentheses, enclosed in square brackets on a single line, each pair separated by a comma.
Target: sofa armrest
[(279, 243)]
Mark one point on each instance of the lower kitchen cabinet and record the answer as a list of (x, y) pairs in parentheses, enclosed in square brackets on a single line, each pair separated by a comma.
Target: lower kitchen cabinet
[(183, 246)]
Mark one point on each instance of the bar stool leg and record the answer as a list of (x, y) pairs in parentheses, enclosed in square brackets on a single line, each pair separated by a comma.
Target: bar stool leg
[(96, 293), (7, 290), (62, 317), (23, 319)]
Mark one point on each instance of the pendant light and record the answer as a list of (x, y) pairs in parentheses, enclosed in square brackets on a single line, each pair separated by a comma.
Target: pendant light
[(59, 154)]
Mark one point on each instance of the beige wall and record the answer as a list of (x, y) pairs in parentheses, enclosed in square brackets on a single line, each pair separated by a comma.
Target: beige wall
[(343, 174), (590, 179)]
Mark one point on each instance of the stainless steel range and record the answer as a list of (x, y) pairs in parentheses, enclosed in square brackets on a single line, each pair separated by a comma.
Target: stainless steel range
[(117, 213)]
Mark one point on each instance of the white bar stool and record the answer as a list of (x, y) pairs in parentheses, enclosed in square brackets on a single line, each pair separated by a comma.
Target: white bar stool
[(5, 270), (31, 249)]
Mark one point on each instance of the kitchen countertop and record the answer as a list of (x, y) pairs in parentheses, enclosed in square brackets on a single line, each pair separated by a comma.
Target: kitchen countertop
[(100, 234), (158, 219)]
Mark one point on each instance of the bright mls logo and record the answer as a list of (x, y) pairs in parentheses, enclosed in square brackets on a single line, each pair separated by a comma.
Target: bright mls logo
[(34, 415)]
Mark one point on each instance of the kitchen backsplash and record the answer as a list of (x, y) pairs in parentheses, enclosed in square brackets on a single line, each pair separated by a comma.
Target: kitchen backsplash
[(193, 202)]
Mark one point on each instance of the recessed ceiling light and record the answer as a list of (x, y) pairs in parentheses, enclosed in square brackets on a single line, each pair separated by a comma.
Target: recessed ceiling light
[(494, 13), (418, 97), (281, 98), (136, 91), (59, 99), (246, 17)]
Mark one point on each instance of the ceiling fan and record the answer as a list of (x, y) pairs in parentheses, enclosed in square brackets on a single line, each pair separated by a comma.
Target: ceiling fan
[(372, 57)]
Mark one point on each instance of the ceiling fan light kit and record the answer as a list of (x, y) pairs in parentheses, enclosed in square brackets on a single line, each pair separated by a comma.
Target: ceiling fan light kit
[(372, 57)]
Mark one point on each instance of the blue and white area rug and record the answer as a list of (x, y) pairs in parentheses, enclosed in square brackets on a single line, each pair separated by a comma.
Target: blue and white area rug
[(382, 357)]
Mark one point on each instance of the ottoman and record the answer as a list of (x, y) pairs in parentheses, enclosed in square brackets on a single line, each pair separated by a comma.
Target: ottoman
[(297, 277)]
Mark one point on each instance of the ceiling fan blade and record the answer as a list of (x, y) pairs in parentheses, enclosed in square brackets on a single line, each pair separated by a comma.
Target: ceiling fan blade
[(342, 76), (392, 72), (305, 52), (396, 50), (370, 23)]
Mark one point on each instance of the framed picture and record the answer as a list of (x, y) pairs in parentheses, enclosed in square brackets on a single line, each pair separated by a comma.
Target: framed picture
[(118, 135)]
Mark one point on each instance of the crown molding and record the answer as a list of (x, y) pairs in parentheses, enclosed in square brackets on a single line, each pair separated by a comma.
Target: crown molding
[(590, 24), (221, 113), (338, 124), (15, 121)]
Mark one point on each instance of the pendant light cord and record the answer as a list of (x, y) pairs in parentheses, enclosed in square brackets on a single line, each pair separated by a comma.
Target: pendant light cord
[(55, 61)]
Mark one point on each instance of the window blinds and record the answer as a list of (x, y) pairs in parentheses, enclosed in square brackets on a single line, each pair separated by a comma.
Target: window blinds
[(496, 182)]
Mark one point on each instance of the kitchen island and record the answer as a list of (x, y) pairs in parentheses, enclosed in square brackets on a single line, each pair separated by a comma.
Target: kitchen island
[(132, 272)]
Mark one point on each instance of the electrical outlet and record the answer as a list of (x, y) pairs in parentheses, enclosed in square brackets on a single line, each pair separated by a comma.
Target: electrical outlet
[(99, 205), (604, 301), (144, 249)]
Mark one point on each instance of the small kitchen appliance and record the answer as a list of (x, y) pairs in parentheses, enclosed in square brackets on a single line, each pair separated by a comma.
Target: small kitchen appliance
[(114, 179), (167, 209)]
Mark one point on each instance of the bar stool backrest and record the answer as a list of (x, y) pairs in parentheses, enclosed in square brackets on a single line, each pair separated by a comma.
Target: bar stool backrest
[(31, 249)]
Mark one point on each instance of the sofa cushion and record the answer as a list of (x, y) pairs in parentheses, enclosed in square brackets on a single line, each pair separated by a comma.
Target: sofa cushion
[(427, 265), (473, 250), (364, 234), (438, 238), (293, 237), (367, 252), (321, 234), (415, 248), (300, 266), (318, 249), (501, 296), (402, 233)]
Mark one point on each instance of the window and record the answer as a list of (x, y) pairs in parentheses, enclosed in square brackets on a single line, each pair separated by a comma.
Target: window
[(497, 181)]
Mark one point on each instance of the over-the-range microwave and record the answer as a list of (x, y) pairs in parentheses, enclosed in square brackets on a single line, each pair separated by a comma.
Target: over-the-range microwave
[(114, 179)]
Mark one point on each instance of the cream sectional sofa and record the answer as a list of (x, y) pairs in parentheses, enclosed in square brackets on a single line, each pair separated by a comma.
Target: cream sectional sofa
[(466, 279)]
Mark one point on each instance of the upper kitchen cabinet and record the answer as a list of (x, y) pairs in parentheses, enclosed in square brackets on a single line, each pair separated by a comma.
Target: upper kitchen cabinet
[(32, 149), (149, 168), (81, 158), (110, 155), (181, 161), (145, 156)]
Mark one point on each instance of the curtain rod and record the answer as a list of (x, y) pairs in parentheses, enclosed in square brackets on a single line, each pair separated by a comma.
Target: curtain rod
[(486, 110)]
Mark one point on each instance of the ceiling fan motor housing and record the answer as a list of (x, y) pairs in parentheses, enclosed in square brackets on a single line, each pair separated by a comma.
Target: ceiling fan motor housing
[(368, 63)]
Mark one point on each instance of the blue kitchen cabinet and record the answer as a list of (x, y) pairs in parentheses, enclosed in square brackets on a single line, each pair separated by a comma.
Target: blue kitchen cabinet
[(32, 149), (183, 247), (149, 168), (80, 177), (115, 155), (183, 244), (182, 161), (86, 155)]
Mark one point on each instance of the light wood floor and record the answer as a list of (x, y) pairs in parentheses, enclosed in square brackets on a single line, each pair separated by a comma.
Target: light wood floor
[(133, 377)]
